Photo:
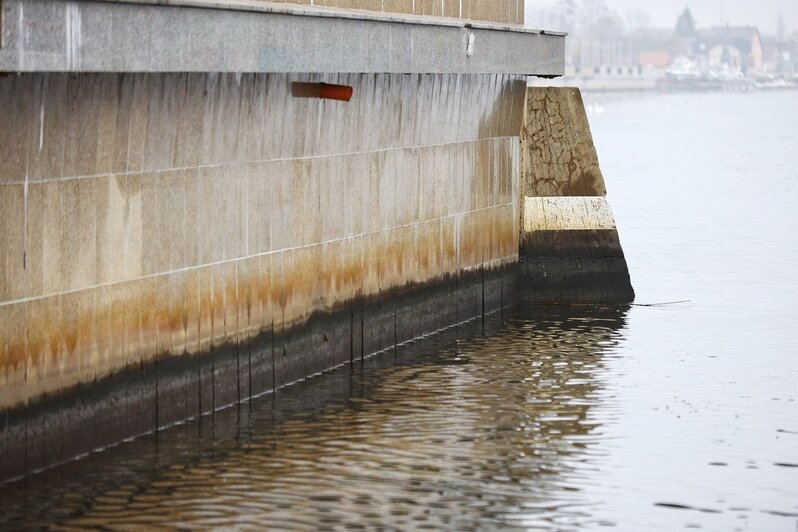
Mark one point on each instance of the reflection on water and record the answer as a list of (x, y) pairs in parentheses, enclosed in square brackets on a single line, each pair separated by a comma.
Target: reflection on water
[(551, 417), (466, 427)]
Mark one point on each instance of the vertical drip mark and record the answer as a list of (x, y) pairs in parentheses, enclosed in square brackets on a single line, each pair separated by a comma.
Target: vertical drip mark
[(26, 450), (199, 394), (274, 366), (238, 370), (501, 293), (73, 36), (238, 363), (362, 331), (157, 413), (186, 381), (213, 374), (352, 337), (238, 343), (213, 354), (285, 353), (457, 291), (21, 33), (249, 368), (482, 271), (25, 199), (274, 385), (332, 345), (41, 119)]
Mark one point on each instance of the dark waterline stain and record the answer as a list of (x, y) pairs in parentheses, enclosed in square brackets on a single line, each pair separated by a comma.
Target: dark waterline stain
[(676, 506), (540, 420), (465, 426)]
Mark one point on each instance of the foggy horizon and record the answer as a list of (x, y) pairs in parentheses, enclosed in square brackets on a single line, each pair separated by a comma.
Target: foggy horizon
[(764, 14)]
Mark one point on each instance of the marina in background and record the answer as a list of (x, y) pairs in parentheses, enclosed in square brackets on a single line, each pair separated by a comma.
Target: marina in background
[(607, 52)]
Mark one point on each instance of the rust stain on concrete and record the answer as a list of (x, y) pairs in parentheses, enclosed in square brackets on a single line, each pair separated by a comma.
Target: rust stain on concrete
[(201, 221), (188, 313)]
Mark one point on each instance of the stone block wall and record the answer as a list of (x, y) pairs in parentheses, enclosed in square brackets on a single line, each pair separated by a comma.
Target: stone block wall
[(505, 11), (172, 243), (570, 249)]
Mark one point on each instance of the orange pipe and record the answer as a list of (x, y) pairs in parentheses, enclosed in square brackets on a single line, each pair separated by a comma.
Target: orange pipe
[(342, 93), (325, 91)]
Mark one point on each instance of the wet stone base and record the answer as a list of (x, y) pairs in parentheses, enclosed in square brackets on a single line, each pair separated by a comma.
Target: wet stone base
[(582, 265), (573, 244), (171, 389), (572, 279)]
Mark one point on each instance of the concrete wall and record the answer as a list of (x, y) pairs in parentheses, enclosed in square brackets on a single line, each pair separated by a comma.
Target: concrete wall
[(510, 11), (172, 243), (570, 248), (233, 36)]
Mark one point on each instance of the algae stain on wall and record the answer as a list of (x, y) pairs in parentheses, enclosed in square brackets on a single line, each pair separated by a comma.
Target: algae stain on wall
[(180, 212)]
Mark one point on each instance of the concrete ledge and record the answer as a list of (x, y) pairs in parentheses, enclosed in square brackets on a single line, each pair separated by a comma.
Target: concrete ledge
[(562, 213), (247, 36)]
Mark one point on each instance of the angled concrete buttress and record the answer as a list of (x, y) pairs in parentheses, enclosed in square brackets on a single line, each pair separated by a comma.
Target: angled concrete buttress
[(570, 250)]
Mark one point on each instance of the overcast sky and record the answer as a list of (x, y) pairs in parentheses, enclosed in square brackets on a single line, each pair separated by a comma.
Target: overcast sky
[(761, 13)]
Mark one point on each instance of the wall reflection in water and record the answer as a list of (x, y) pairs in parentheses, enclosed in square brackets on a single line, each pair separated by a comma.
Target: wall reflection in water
[(483, 424)]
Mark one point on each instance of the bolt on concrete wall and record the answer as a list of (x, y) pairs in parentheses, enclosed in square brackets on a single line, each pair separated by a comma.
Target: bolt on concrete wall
[(156, 217)]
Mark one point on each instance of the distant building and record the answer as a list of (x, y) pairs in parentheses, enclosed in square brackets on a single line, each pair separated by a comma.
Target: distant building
[(730, 46), (656, 58), (781, 56), (658, 48)]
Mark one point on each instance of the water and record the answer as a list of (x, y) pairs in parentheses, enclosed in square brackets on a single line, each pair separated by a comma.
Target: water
[(662, 417)]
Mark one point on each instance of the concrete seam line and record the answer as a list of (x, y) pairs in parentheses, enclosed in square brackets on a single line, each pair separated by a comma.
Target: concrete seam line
[(248, 257), (127, 173)]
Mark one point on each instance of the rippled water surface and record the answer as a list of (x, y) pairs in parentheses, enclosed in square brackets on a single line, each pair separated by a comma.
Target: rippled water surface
[(578, 417)]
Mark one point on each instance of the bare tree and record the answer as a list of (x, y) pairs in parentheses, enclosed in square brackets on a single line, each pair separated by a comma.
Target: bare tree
[(781, 26), (584, 17), (685, 25), (637, 21)]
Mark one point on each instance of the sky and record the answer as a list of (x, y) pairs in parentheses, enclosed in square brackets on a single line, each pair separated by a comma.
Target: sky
[(761, 13)]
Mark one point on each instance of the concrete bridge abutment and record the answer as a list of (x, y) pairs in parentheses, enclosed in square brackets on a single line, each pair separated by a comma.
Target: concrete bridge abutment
[(181, 233), (176, 243), (569, 248)]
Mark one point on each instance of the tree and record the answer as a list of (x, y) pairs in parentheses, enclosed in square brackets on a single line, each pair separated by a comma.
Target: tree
[(596, 19), (565, 14), (583, 17), (781, 26), (638, 21), (685, 25)]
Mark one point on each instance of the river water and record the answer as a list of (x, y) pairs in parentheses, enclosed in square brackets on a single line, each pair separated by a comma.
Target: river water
[(649, 417)]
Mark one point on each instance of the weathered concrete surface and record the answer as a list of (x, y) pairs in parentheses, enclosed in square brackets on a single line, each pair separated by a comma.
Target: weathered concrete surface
[(510, 11), (501, 11), (559, 156), (262, 37), (570, 248), (173, 243)]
